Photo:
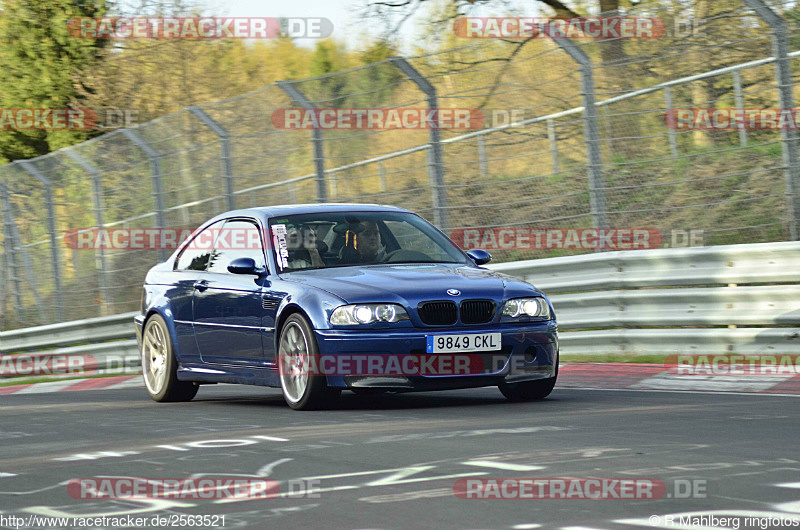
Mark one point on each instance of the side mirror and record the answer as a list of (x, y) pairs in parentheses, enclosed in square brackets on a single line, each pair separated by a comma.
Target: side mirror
[(479, 256), (244, 266)]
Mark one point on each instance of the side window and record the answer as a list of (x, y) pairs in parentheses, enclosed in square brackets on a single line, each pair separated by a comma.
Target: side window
[(196, 255), (237, 239)]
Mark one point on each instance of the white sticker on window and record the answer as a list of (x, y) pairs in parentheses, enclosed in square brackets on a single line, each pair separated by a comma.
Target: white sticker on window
[(279, 241)]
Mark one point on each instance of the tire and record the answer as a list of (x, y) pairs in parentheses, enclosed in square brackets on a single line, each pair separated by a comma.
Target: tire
[(301, 391), (529, 390), (159, 366)]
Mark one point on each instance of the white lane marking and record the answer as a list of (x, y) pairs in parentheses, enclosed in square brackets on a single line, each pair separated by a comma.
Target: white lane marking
[(397, 477), (95, 456), (526, 526), (702, 393), (54, 486), (409, 496), (353, 474), (270, 438), (3, 475), (665, 381), (41, 388), (265, 471), (502, 465), (795, 485)]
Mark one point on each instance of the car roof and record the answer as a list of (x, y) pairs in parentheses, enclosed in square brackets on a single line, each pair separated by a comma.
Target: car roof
[(292, 209)]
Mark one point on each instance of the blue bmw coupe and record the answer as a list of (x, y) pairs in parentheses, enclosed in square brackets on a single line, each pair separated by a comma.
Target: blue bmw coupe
[(316, 299)]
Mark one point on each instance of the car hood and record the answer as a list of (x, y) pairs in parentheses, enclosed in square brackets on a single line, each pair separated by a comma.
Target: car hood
[(410, 284)]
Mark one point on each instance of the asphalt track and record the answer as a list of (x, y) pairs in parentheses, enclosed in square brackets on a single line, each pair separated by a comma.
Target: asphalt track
[(392, 461)]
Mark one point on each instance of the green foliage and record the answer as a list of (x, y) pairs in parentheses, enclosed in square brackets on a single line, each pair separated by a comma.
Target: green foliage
[(40, 67)]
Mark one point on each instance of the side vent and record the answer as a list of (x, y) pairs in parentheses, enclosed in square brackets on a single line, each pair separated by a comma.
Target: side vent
[(270, 303)]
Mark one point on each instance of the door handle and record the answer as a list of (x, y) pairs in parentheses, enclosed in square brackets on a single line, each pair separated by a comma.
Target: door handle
[(201, 285)]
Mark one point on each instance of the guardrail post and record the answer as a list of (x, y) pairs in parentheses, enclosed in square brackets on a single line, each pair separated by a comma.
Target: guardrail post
[(783, 74), (316, 137), (436, 161), (97, 201), (738, 95), (155, 168), (226, 160), (597, 194), (51, 229)]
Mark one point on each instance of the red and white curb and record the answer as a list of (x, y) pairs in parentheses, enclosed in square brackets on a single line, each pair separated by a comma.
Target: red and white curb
[(75, 385), (637, 376), (634, 376)]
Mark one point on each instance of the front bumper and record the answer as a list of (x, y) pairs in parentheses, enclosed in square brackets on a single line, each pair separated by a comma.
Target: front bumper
[(528, 352), (139, 321)]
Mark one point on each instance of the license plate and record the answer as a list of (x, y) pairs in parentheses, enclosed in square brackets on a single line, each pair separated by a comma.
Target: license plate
[(463, 343)]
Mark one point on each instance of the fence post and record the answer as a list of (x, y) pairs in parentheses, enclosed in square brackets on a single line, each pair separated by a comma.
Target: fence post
[(597, 194), (482, 163), (738, 95), (97, 201), (316, 137), (16, 242), (783, 74), (8, 246), (671, 134), (382, 172), (155, 168), (226, 160), (551, 135), (51, 229), (436, 164)]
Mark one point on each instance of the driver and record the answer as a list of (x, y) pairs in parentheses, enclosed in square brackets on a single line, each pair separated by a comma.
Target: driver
[(369, 243)]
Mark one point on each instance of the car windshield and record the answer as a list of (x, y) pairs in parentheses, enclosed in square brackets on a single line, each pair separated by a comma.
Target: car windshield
[(338, 239)]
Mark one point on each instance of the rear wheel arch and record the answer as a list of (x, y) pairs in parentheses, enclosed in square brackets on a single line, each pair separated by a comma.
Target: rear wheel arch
[(173, 334)]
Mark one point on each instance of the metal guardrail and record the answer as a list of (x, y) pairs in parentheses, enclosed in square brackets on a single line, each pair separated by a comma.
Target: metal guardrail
[(686, 300), (89, 331)]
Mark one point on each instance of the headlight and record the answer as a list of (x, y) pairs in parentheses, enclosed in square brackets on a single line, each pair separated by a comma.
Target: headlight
[(351, 315), (526, 307)]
